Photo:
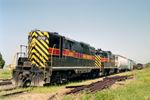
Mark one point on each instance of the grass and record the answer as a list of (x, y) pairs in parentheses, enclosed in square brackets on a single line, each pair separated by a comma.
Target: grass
[(5, 74), (138, 89)]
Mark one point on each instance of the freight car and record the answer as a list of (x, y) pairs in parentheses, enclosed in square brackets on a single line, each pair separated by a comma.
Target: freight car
[(123, 63), (54, 58), (131, 64), (138, 66)]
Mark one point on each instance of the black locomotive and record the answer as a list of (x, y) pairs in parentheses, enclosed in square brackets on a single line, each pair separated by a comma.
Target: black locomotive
[(54, 58)]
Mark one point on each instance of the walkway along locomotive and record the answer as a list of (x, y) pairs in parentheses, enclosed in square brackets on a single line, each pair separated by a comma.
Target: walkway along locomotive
[(53, 58)]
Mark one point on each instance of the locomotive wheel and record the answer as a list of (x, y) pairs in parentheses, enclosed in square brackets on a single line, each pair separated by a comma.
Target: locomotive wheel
[(94, 73), (107, 72), (27, 83), (64, 78), (59, 78), (116, 70)]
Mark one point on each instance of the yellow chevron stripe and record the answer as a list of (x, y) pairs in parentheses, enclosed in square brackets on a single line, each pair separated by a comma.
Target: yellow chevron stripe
[(97, 62), (41, 53), (30, 53), (29, 50), (98, 59), (97, 56), (46, 51), (33, 62), (46, 34), (41, 58), (33, 57), (41, 64), (40, 33), (34, 34), (98, 65), (29, 47), (47, 41), (44, 44)]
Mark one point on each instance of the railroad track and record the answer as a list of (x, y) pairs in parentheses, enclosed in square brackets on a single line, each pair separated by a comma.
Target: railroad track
[(14, 93), (5, 83), (99, 85), (5, 79), (8, 89)]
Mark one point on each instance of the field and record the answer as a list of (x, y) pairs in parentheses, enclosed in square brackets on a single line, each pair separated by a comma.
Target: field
[(137, 89), (133, 89), (5, 74)]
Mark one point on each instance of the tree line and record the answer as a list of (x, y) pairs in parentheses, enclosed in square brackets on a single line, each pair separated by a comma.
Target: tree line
[(2, 61)]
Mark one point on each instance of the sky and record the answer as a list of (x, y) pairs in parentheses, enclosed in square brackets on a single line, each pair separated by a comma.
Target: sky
[(120, 26)]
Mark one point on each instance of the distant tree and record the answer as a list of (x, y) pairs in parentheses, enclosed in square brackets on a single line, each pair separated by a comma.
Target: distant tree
[(147, 65), (2, 62)]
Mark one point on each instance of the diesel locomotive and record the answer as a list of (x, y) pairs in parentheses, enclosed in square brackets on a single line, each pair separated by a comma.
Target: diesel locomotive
[(53, 58)]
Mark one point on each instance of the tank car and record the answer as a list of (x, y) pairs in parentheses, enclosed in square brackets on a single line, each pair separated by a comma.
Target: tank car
[(123, 63)]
